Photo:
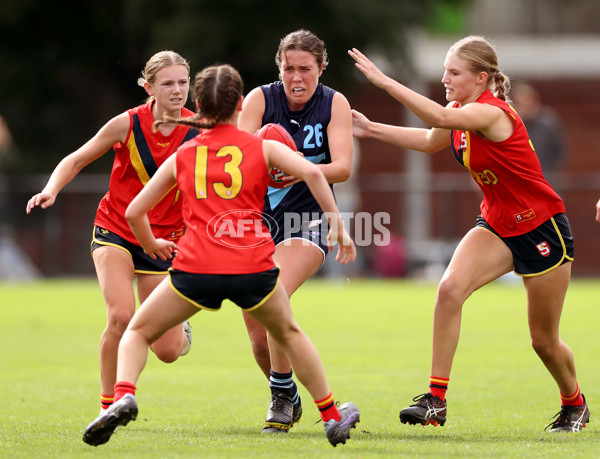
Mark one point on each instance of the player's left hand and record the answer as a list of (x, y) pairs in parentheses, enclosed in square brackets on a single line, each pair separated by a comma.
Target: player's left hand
[(360, 124), (290, 179), (338, 234)]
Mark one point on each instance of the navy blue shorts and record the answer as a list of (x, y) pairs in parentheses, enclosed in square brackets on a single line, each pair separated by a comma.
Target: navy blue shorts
[(312, 227), (142, 263), (542, 249), (207, 291)]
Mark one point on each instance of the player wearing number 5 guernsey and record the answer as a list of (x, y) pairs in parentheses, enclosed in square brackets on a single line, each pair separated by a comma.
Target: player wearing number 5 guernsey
[(522, 226)]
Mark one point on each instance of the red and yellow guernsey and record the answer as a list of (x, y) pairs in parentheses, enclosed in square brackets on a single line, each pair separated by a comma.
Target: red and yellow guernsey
[(223, 178), (136, 161), (516, 196)]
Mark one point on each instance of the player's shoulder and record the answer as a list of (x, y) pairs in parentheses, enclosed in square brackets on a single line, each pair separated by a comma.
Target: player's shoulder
[(339, 100)]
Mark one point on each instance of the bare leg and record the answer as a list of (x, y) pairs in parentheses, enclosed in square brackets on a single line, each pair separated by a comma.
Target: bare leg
[(298, 262), (276, 316), (115, 272), (479, 259), (149, 323), (169, 346), (545, 299)]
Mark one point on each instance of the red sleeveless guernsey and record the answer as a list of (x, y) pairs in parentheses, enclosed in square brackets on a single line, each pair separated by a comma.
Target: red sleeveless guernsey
[(135, 162), (516, 196), (223, 178)]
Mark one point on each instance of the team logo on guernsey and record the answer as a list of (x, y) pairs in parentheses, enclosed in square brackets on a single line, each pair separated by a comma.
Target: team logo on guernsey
[(175, 235), (543, 248), (163, 144), (525, 215), (241, 228)]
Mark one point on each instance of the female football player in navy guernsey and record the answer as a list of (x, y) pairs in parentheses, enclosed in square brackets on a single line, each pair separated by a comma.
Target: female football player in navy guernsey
[(320, 122), (522, 226), (223, 175), (117, 255)]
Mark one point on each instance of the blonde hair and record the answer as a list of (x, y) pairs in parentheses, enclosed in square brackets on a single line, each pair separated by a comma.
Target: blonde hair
[(217, 91), (158, 62), (481, 56)]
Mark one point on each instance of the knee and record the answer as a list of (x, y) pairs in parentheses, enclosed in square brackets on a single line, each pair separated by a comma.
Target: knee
[(117, 321), (258, 341), (286, 333), (543, 347), (168, 355), (260, 348), (450, 295)]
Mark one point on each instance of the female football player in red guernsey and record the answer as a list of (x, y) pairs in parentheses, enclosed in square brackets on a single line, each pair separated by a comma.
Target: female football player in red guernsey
[(522, 226), (117, 255), (226, 252)]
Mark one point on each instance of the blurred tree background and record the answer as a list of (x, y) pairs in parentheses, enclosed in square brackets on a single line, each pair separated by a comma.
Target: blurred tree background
[(67, 67)]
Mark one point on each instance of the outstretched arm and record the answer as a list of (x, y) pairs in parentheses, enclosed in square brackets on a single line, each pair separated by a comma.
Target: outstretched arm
[(425, 140), (482, 119), (426, 109), (112, 132), (598, 211)]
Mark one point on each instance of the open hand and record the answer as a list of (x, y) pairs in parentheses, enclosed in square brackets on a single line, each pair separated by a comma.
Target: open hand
[(370, 70), (360, 125), (42, 200)]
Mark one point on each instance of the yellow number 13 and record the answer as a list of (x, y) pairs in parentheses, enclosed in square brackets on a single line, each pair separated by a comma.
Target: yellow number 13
[(232, 168)]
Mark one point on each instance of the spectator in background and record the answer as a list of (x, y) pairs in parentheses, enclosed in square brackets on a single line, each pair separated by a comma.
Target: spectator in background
[(545, 129), (8, 148)]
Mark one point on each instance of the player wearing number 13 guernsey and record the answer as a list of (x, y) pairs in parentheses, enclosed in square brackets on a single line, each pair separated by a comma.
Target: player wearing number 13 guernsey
[(522, 226), (222, 175), (239, 158)]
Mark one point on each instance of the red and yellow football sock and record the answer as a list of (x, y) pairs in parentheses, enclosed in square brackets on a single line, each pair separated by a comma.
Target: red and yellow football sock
[(106, 400), (438, 386), (122, 388), (573, 400), (327, 408)]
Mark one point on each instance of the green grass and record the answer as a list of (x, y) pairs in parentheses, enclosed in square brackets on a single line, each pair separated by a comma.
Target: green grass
[(374, 339)]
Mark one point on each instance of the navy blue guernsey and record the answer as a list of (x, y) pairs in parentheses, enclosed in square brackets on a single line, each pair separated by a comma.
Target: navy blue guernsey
[(308, 128)]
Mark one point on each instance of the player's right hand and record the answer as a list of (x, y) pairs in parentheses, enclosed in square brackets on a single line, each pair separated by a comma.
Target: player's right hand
[(360, 125), (160, 248), (43, 200)]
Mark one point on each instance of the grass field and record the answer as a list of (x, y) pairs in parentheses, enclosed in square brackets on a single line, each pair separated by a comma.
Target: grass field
[(374, 339)]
